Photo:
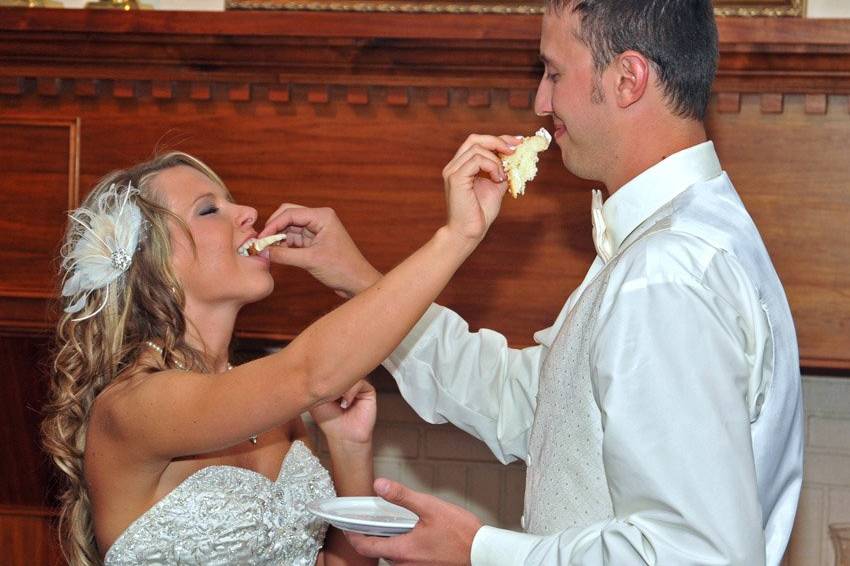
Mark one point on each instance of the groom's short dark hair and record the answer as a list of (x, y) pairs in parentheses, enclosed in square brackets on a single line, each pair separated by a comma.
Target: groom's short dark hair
[(679, 37)]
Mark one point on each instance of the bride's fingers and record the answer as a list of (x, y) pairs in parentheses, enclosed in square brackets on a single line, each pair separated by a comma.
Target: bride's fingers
[(501, 144), (360, 389), (298, 237), (289, 215), (479, 164), (295, 239), (469, 154)]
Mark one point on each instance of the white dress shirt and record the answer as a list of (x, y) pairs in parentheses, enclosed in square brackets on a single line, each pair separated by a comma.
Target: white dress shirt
[(695, 371)]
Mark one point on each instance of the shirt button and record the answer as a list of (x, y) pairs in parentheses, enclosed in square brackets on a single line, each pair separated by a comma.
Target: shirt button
[(522, 522)]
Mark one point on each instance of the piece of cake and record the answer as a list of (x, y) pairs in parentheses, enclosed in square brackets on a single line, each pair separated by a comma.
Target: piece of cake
[(521, 165), (253, 247)]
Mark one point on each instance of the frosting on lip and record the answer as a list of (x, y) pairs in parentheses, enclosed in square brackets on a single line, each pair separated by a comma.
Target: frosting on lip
[(544, 133)]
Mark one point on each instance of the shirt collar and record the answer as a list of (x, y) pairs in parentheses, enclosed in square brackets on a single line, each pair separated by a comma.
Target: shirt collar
[(638, 199)]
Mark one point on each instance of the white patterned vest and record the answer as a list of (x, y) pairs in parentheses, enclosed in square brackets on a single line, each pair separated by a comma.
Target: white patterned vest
[(565, 480)]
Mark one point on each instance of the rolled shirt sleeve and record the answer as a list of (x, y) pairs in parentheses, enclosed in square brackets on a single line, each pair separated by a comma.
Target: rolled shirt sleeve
[(471, 379)]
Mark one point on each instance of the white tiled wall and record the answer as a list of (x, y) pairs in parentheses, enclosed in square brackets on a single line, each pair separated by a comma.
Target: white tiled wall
[(826, 480), (444, 461)]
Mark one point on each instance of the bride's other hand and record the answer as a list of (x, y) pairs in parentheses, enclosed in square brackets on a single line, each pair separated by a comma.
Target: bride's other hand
[(350, 419), (317, 242), (347, 424)]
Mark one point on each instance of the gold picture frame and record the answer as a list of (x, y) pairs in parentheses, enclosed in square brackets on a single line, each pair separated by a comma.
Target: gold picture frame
[(760, 8), (740, 8), (405, 6)]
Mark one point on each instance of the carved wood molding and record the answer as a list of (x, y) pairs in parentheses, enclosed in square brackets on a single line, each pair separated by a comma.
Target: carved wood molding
[(152, 54), (816, 102)]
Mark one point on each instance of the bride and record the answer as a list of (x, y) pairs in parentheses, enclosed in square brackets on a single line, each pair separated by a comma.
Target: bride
[(172, 455)]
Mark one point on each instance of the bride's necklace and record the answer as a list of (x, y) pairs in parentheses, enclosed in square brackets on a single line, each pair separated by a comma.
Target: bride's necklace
[(253, 438)]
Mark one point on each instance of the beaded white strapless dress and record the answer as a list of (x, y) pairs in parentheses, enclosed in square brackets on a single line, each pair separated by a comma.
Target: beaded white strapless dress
[(228, 515)]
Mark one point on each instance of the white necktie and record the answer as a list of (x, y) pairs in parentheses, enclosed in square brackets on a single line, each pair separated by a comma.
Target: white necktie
[(601, 239)]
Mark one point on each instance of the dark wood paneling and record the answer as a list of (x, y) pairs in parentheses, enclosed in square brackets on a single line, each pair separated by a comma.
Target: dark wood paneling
[(28, 478), (28, 537), (38, 184)]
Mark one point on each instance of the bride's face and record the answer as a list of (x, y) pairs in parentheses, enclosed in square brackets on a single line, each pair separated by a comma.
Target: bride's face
[(213, 273)]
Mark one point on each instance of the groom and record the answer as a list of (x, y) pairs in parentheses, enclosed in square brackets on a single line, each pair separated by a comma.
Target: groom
[(660, 416)]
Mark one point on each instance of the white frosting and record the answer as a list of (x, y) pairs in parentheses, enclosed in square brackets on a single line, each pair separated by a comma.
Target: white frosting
[(543, 133)]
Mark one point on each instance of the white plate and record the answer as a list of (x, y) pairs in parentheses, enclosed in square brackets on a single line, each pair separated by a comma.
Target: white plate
[(366, 515)]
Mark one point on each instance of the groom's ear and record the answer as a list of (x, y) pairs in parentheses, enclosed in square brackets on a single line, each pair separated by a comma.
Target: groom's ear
[(631, 70)]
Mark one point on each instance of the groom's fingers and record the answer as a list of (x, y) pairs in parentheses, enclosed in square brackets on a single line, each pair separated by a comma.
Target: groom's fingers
[(443, 534), (388, 548), (399, 547), (399, 494)]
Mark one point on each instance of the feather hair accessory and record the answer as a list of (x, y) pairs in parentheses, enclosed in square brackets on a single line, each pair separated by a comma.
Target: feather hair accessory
[(106, 236)]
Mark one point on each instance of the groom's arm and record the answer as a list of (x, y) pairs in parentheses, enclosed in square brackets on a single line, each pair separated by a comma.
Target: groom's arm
[(471, 379)]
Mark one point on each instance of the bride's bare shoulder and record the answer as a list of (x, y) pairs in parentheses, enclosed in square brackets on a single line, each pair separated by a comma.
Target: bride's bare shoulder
[(134, 385)]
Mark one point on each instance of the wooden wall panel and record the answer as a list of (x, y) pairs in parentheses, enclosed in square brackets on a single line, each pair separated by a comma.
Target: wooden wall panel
[(28, 537), (27, 476), (38, 184)]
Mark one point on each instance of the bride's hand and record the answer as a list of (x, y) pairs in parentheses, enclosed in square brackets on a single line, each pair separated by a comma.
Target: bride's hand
[(475, 183), (351, 418), (317, 241)]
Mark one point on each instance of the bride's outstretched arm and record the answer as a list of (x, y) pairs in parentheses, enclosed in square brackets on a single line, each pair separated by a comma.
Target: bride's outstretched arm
[(202, 413)]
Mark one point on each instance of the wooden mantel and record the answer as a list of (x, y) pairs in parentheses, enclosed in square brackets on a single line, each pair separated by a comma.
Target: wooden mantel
[(361, 111), (787, 55)]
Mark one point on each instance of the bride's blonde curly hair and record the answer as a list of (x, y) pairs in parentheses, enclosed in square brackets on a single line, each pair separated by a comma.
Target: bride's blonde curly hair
[(89, 354)]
